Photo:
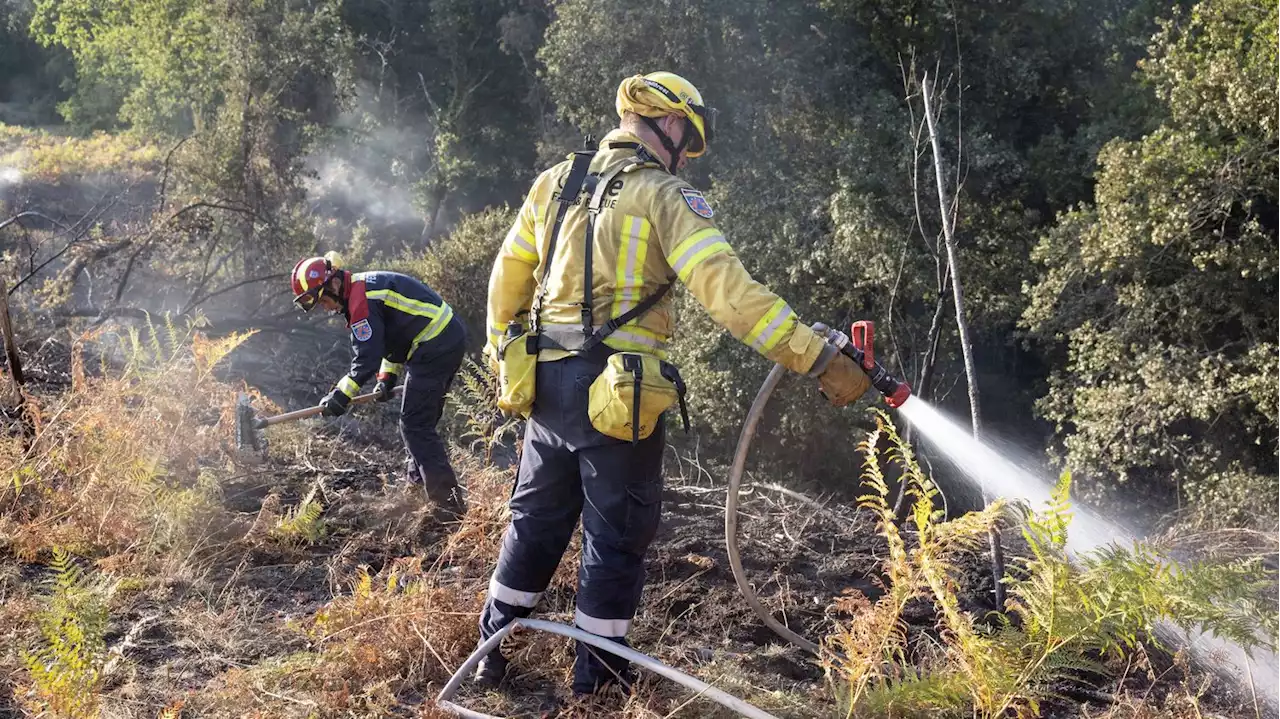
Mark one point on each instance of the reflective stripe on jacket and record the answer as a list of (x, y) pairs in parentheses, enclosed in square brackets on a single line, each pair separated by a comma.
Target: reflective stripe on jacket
[(653, 226), (389, 315)]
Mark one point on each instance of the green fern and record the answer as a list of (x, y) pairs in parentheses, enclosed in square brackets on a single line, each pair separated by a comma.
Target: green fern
[(476, 405), (1069, 614), (67, 669), (153, 337), (303, 523)]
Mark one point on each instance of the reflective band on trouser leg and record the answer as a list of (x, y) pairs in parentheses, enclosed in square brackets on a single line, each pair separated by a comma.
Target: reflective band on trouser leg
[(514, 597), (776, 324), (603, 627), (348, 386), (629, 275), (695, 249), (389, 367), (430, 331)]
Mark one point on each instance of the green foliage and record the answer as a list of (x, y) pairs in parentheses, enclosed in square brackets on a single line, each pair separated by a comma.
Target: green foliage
[(475, 405), (1069, 614), (171, 65), (458, 265), (31, 77), (66, 669), (1168, 383), (448, 105), (302, 524), (43, 156)]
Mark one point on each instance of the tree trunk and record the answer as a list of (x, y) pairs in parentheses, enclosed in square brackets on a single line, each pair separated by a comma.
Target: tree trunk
[(962, 326)]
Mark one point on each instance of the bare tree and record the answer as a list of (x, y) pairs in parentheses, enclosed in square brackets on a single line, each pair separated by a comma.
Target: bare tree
[(948, 208)]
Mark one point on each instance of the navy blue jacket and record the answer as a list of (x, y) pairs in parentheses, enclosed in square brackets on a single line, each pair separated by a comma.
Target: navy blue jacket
[(390, 316)]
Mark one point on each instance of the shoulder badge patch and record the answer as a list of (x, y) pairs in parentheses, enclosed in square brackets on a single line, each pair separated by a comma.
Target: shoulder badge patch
[(697, 202), (362, 330)]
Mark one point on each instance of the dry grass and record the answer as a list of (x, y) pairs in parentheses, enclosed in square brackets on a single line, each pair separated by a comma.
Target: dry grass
[(118, 467), (49, 158), (225, 603)]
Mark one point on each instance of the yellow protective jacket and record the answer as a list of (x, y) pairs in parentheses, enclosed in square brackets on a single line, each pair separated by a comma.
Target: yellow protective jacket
[(653, 227)]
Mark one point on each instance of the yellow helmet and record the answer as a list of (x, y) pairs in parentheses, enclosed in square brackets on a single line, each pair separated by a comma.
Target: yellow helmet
[(664, 93)]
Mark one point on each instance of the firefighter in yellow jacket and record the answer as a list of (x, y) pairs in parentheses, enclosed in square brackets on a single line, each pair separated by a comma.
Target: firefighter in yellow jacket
[(581, 284)]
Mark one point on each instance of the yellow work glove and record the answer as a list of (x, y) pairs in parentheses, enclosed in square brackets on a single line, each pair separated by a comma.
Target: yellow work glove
[(840, 379), (843, 382)]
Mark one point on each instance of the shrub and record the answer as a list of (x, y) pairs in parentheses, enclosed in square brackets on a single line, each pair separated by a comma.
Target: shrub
[(458, 266), (114, 456), (1064, 617)]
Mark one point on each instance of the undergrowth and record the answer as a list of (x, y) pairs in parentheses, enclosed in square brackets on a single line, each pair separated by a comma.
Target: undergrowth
[(118, 461), (302, 524), (1063, 620), (47, 157), (475, 407), (66, 669)]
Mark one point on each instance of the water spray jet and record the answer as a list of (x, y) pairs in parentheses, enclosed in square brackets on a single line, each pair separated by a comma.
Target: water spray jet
[(997, 476)]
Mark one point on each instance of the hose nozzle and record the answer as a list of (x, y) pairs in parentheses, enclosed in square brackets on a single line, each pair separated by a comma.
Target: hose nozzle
[(861, 349)]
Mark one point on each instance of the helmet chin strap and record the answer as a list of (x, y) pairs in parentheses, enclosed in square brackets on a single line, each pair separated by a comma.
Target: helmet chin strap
[(667, 144)]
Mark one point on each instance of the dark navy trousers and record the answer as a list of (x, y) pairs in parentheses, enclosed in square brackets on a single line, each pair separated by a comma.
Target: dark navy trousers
[(428, 375), (568, 471)]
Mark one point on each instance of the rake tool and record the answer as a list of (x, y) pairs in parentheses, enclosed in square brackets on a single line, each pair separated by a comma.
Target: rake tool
[(248, 424)]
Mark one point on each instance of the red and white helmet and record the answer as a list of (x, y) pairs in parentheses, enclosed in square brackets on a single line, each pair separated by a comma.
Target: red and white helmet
[(310, 277)]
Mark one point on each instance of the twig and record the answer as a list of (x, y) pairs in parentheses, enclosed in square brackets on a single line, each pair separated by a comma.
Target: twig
[(191, 304), (18, 217), (127, 642), (164, 180), (432, 649)]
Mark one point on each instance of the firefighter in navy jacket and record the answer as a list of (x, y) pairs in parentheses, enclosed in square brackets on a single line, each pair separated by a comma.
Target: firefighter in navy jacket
[(399, 328)]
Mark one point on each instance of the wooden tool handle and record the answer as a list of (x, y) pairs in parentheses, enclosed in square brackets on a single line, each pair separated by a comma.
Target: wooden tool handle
[(313, 411)]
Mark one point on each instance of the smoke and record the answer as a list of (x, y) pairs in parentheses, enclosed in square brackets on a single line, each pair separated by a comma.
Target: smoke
[(9, 177), (343, 181), (368, 171)]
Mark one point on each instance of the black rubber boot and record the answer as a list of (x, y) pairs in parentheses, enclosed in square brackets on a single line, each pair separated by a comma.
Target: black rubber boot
[(449, 506), (491, 671)]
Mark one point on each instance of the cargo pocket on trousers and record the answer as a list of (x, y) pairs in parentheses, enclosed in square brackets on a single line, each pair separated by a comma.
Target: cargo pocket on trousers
[(644, 510)]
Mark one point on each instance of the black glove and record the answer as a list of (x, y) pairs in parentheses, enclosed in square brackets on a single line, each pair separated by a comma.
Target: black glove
[(386, 383), (334, 404)]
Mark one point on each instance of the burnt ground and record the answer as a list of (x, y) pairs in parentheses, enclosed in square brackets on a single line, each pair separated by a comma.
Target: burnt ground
[(226, 628)]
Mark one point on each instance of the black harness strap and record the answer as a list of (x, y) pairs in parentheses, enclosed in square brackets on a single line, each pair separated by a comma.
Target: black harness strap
[(568, 195), (635, 365), (671, 373), (593, 213), (617, 322)]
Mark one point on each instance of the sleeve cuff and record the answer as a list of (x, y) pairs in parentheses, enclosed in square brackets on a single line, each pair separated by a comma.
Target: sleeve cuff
[(348, 386), (389, 368)]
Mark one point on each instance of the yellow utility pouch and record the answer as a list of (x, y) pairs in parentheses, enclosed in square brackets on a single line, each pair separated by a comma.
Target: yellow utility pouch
[(632, 393), (517, 370)]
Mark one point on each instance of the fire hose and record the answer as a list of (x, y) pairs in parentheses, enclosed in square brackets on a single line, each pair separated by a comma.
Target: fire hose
[(858, 346)]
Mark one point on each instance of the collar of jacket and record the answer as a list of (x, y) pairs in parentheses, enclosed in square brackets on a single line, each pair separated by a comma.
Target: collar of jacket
[(347, 281), (620, 139), (355, 306)]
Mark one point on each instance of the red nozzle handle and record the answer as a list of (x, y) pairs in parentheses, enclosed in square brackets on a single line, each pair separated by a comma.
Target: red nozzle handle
[(862, 335), (899, 396)]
